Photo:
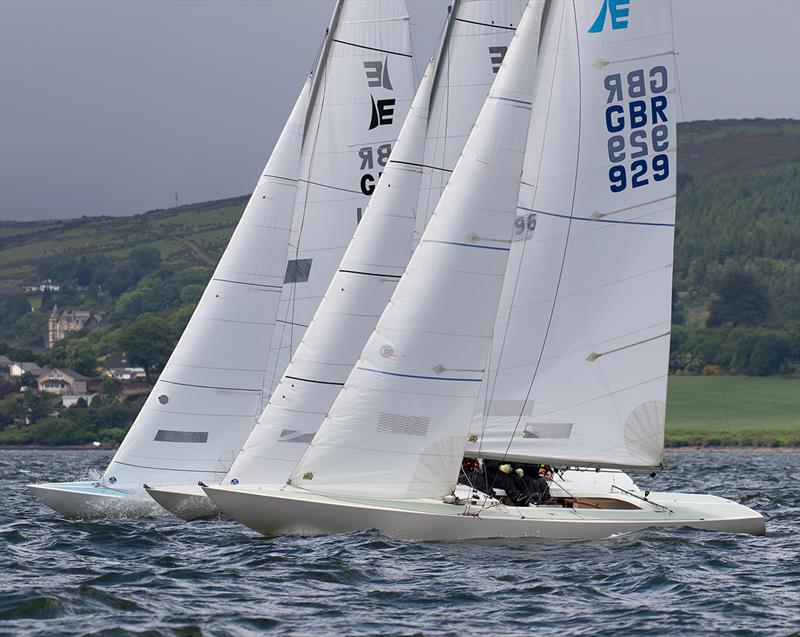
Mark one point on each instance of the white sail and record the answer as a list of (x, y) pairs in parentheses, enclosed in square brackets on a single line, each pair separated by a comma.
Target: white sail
[(382, 244), (475, 42), (399, 425), (209, 393), (364, 92), (578, 370), (361, 287)]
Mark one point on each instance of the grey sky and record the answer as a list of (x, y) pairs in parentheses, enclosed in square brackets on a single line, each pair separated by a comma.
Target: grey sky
[(112, 107)]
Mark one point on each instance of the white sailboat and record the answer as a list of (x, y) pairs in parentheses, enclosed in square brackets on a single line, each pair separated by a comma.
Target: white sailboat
[(215, 384), (361, 96), (378, 253), (388, 454)]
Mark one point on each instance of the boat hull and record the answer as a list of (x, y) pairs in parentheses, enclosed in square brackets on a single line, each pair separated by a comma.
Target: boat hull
[(296, 512), (92, 500), (188, 502)]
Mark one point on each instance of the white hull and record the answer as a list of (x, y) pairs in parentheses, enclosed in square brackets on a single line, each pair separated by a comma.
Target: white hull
[(91, 500), (188, 502), (290, 511)]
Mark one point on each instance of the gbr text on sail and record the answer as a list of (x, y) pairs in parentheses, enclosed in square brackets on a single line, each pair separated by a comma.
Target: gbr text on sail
[(636, 120)]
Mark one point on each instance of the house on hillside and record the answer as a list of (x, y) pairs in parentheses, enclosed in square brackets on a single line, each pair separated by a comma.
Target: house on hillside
[(69, 322), (117, 366), (18, 369), (47, 284), (63, 382)]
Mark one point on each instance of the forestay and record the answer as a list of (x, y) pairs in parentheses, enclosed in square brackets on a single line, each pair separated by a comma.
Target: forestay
[(475, 42), (398, 427), (208, 395), (382, 244), (363, 95), (578, 370)]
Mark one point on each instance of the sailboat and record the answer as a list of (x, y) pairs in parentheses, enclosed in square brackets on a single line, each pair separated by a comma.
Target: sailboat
[(305, 206), (379, 252), (580, 267)]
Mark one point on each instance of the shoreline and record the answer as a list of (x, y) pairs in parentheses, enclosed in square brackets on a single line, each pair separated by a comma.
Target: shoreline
[(729, 449), (685, 449)]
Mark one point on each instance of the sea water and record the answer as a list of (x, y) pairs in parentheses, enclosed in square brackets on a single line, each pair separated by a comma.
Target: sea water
[(162, 576)]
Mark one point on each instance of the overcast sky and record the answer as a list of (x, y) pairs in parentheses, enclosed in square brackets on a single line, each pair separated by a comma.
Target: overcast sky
[(111, 107)]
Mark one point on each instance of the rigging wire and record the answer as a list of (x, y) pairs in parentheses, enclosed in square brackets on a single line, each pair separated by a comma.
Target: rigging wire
[(518, 276)]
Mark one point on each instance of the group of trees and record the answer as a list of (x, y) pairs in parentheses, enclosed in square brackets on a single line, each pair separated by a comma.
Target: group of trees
[(29, 418), (123, 289), (738, 335)]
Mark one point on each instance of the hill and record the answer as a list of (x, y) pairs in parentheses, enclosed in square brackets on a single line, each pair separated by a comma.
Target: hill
[(739, 197), (736, 307)]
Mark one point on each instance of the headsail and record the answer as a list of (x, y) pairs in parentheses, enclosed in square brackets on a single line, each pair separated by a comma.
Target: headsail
[(210, 389), (398, 427), (578, 369), (382, 244)]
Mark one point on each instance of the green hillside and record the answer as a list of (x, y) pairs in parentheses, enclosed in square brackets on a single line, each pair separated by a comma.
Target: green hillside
[(736, 302)]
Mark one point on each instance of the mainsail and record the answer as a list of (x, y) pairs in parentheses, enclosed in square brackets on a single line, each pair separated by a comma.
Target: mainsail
[(578, 368), (382, 245), (210, 388), (475, 42), (397, 428)]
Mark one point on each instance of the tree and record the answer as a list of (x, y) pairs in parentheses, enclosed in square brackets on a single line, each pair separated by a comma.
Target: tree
[(768, 355), (147, 341), (678, 316), (145, 258), (110, 387), (742, 300), (81, 356)]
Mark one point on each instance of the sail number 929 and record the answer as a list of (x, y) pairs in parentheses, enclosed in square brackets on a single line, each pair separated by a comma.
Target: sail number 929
[(636, 119)]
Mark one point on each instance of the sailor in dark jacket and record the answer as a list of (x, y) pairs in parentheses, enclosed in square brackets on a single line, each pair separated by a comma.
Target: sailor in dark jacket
[(502, 476)]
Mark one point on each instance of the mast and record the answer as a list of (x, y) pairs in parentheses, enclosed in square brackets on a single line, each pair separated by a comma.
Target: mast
[(321, 60)]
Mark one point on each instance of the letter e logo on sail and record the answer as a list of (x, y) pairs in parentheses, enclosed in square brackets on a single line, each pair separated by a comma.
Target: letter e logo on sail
[(617, 10), (378, 74)]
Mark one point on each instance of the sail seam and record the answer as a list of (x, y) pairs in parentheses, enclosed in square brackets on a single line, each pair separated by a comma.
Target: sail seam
[(290, 323), (380, 371), (510, 99), (294, 181), (412, 163), (274, 288), (485, 24), (316, 183), (466, 245), (372, 48), (390, 276), (318, 382), (142, 466), (172, 382)]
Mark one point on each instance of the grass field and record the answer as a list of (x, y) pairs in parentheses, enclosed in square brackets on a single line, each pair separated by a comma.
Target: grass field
[(733, 411)]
